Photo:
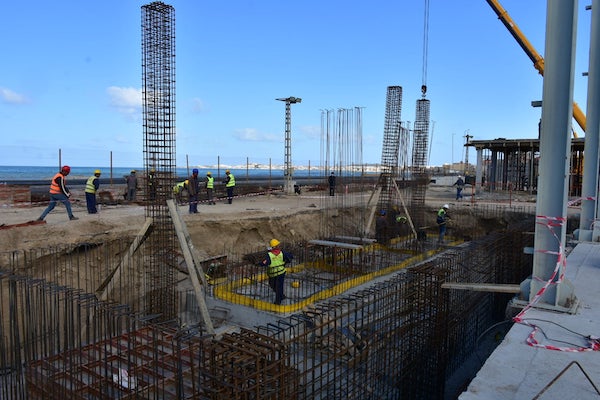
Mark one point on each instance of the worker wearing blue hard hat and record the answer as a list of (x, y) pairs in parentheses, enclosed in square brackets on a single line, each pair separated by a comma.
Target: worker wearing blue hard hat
[(193, 191)]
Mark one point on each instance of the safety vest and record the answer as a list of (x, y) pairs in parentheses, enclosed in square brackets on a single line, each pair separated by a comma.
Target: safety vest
[(210, 182), (54, 187), (441, 216), (277, 266), (179, 187), (231, 181), (89, 185)]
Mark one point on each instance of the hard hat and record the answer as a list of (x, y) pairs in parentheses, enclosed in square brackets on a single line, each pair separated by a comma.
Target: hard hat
[(133, 171), (152, 170), (208, 173), (382, 212), (187, 182), (195, 171), (445, 206), (66, 168), (274, 243), (97, 172), (227, 171)]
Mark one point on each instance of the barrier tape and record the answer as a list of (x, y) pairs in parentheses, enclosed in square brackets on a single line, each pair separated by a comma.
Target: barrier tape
[(579, 200), (593, 342)]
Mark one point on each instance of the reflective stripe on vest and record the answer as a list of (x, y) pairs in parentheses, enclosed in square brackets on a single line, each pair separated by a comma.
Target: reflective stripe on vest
[(231, 181), (277, 266), (89, 185), (210, 182), (54, 187)]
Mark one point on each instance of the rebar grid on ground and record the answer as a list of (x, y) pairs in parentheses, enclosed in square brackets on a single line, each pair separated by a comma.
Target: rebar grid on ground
[(399, 338)]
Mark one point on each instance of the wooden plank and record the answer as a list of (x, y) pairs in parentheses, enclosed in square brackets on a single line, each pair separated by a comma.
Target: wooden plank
[(115, 276), (329, 243), (188, 250), (483, 287)]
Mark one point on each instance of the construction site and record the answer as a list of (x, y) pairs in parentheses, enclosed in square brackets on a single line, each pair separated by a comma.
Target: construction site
[(151, 302)]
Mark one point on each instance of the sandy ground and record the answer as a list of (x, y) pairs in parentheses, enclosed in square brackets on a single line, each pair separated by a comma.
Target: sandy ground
[(244, 226), (248, 222)]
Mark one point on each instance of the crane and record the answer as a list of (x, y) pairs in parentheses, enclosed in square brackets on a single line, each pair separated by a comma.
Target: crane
[(534, 56)]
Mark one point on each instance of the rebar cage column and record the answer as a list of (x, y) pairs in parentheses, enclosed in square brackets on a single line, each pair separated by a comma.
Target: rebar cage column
[(158, 92)]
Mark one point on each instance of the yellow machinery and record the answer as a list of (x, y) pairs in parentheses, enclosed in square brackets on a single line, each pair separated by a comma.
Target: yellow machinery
[(536, 58)]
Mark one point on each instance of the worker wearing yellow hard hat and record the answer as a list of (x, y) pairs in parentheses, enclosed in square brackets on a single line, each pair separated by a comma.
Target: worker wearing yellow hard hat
[(275, 263), (91, 187), (210, 186), (229, 185)]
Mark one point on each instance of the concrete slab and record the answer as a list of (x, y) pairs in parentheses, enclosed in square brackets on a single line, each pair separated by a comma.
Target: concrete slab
[(517, 370)]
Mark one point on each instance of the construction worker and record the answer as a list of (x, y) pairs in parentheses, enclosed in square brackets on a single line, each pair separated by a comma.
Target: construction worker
[(132, 185), (152, 185), (210, 185), (382, 228), (331, 181), (178, 191), (275, 263), (59, 192), (229, 185), (441, 220), (193, 188), (91, 187), (460, 184)]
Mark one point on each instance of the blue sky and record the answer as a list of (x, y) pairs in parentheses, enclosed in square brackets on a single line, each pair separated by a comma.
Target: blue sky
[(70, 76)]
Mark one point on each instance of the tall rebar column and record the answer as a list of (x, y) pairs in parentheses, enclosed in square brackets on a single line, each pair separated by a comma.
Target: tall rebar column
[(420, 160), (391, 144), (158, 91)]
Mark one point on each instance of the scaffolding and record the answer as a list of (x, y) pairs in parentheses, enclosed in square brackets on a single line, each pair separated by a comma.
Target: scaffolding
[(158, 92)]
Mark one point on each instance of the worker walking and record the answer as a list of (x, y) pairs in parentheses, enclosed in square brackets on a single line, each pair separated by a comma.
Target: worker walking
[(59, 192), (229, 185), (210, 185), (331, 182), (275, 263), (193, 189), (91, 187), (132, 185), (460, 184), (442, 219)]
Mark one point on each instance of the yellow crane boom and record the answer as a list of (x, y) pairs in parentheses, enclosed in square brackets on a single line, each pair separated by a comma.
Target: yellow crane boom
[(534, 56)]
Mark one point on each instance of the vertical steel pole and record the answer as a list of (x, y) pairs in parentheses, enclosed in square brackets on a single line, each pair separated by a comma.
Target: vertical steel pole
[(555, 143)]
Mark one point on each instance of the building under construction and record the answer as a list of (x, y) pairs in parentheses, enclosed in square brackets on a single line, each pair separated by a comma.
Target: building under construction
[(147, 317)]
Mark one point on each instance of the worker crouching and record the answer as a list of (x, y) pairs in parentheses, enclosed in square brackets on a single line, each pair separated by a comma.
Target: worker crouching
[(275, 263)]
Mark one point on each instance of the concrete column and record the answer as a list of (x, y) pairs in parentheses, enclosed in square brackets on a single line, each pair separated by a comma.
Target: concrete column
[(555, 144), (478, 171), (493, 169)]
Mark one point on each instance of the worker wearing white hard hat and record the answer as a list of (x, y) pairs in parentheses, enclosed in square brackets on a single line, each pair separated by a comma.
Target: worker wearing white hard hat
[(441, 220)]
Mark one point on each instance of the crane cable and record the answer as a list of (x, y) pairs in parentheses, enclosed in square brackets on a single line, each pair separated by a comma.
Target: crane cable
[(425, 48)]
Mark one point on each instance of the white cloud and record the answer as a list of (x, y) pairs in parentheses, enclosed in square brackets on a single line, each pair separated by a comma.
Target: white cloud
[(126, 100), (10, 97), (311, 131), (198, 105), (252, 135)]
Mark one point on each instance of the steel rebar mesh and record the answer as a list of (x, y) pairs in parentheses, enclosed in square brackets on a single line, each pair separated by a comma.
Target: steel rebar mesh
[(158, 92)]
